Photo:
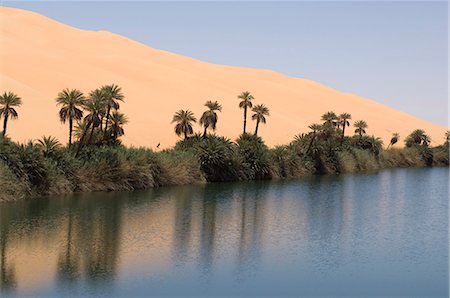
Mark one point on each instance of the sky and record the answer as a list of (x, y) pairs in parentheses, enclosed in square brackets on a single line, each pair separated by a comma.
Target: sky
[(393, 52)]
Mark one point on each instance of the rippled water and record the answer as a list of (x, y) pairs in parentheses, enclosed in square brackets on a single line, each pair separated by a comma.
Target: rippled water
[(369, 234)]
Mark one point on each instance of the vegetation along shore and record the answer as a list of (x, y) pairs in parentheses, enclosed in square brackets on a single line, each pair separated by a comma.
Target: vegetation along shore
[(94, 158)]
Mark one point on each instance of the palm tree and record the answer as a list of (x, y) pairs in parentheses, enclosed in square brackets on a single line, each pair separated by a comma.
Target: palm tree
[(49, 145), (95, 107), (117, 120), (343, 120), (245, 103), (79, 129), (315, 128), (360, 126), (70, 102), (417, 137), (375, 145), (8, 101), (112, 95), (330, 119), (394, 139), (260, 111), (209, 117), (184, 120)]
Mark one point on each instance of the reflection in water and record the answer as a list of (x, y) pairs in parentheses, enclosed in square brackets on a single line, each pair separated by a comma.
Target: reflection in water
[(183, 224), (7, 271), (86, 232), (103, 242), (252, 224), (92, 242), (68, 261), (351, 233), (208, 232)]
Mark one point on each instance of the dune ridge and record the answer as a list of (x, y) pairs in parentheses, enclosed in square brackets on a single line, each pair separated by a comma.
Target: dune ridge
[(40, 56)]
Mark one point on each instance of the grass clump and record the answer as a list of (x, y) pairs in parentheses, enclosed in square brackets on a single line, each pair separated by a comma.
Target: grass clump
[(117, 168), (179, 167)]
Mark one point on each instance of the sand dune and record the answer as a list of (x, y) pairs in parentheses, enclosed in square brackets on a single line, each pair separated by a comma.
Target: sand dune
[(39, 57)]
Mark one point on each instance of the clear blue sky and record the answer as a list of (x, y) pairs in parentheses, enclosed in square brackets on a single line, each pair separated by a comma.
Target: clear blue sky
[(392, 52)]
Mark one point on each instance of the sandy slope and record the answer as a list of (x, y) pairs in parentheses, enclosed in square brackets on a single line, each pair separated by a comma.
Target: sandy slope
[(39, 57)]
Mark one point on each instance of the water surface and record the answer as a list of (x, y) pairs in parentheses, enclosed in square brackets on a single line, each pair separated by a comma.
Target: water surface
[(381, 234)]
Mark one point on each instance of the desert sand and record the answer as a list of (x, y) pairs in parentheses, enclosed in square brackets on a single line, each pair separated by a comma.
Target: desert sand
[(39, 57)]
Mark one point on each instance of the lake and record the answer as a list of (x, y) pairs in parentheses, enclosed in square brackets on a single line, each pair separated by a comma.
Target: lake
[(375, 234)]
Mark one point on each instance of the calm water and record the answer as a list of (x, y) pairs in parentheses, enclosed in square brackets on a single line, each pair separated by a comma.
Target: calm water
[(383, 234)]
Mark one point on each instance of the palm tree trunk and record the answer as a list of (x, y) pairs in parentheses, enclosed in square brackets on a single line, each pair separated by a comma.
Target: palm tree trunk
[(204, 132), (101, 123), (256, 129), (80, 144), (245, 117), (70, 131), (90, 136), (311, 143), (185, 135), (5, 122), (343, 133), (107, 120)]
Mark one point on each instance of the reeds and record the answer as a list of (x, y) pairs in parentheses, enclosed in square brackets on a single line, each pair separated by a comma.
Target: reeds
[(27, 171)]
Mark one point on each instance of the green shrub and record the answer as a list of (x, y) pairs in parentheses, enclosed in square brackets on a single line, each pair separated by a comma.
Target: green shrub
[(370, 143), (27, 164), (11, 187), (287, 162), (253, 157), (215, 155), (58, 182), (441, 155), (189, 143)]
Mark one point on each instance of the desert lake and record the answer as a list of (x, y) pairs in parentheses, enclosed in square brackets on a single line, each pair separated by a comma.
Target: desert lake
[(383, 234)]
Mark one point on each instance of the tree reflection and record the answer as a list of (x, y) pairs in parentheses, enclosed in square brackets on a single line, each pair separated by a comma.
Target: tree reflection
[(252, 197), (68, 261), (101, 257), (92, 241), (183, 222), (7, 271), (208, 229), (200, 205)]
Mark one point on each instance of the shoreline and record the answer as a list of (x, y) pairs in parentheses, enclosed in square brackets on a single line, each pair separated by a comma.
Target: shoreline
[(168, 169)]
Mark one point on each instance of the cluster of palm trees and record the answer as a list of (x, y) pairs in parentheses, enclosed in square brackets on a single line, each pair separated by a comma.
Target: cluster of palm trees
[(185, 119), (95, 114), (100, 109), (331, 132), (333, 121), (417, 137)]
